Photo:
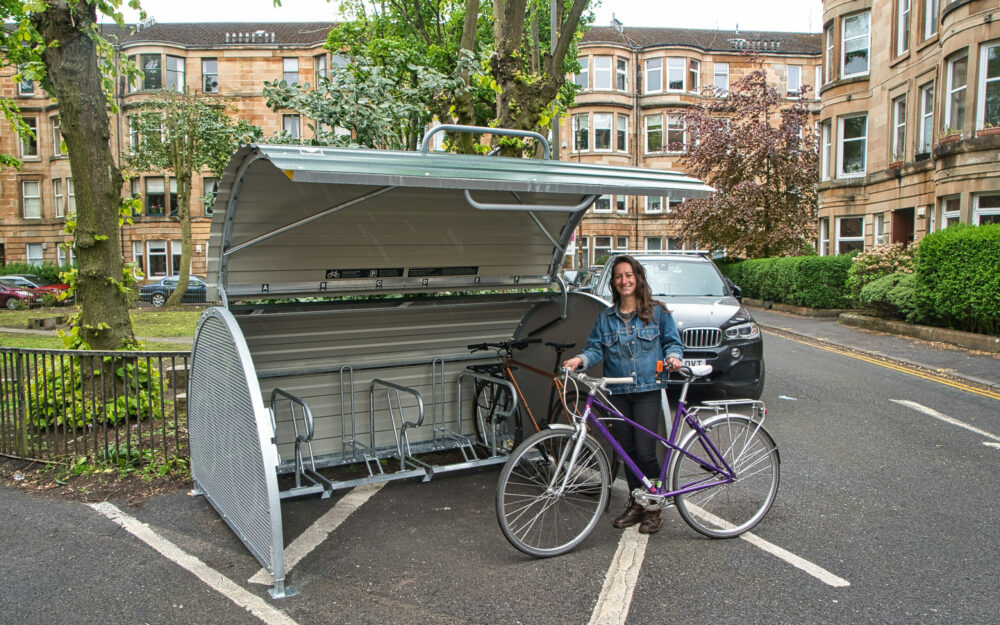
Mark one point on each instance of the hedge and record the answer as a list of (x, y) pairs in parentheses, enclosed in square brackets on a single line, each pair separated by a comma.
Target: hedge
[(45, 271), (958, 278), (813, 281)]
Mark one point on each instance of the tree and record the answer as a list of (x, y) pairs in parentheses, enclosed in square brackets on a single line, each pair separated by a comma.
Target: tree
[(185, 134), (764, 174), (58, 43)]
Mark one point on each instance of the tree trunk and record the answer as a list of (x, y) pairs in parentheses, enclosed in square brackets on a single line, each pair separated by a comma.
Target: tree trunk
[(75, 80), (184, 215)]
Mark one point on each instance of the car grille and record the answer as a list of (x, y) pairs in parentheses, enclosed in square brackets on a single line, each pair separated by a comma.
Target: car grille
[(702, 337)]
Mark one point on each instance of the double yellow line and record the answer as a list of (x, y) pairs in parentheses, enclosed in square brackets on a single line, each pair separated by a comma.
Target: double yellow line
[(888, 365)]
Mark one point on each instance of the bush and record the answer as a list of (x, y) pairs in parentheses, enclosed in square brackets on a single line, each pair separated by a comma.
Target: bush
[(957, 280), (879, 262), (813, 281), (892, 296), (46, 271)]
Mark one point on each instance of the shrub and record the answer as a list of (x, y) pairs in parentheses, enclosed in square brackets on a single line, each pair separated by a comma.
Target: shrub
[(46, 271), (878, 262), (892, 296), (813, 281), (957, 278)]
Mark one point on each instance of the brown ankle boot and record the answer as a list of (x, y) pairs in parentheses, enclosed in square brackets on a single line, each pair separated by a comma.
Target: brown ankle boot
[(632, 515), (650, 523)]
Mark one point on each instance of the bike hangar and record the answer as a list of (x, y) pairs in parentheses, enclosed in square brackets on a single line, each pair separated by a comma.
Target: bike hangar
[(350, 282)]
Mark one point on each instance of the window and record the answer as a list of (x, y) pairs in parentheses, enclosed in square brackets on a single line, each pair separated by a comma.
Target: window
[(602, 73), (954, 110), (852, 146), (151, 78), (654, 204), (603, 205), (209, 187), (902, 26), (850, 234), (602, 247), (654, 132), (855, 45), (62, 251), (70, 197), (930, 18), (35, 254), (817, 81), (583, 249), (58, 149), (621, 205), (824, 237), (210, 75), (675, 133), (29, 143), (794, 89), (720, 78), (321, 66), (57, 197), (581, 132), (137, 256), (31, 199), (654, 75), (621, 243), (290, 70), (582, 78), (602, 131), (828, 57), (175, 74), (26, 86), (825, 131), (157, 258), (879, 229), (950, 211), (988, 113), (156, 199), (654, 244), (175, 258), (926, 117), (622, 72), (173, 197), (290, 124), (675, 74), (987, 210), (899, 128), (675, 243), (694, 75), (621, 129)]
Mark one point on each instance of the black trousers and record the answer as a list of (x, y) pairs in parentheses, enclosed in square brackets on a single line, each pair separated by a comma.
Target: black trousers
[(645, 409)]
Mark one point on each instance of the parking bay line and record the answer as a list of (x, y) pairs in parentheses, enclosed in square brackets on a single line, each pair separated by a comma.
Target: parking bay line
[(323, 527), (215, 580), (949, 420)]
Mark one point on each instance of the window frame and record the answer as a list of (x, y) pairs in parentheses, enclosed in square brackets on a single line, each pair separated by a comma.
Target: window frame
[(902, 28), (978, 211), (57, 138), (149, 194), (157, 253), (25, 86), (658, 209), (651, 71), (793, 94), (287, 73), (645, 134), (580, 131), (206, 74), (830, 44), (657, 248), (176, 74), (694, 75), (621, 133), (849, 239), (721, 93), (151, 81), (898, 129), (598, 239), (620, 204), (878, 229), (843, 45), (33, 259), (621, 74), (931, 10), (321, 66), (32, 122), (826, 149), (824, 236), (70, 197), (926, 92), (675, 64), (983, 81), (951, 91), (36, 198), (944, 202), (292, 117), (682, 129), (603, 72), (601, 201), (609, 129), (58, 199), (841, 173), (583, 74), (208, 208)]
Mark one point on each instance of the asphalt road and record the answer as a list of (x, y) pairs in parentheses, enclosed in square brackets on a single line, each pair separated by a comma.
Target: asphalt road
[(899, 504)]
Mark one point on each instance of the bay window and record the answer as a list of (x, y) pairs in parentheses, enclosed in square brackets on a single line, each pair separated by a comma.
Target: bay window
[(855, 45), (852, 145)]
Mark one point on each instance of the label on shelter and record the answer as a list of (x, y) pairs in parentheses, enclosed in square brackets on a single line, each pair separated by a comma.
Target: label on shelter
[(346, 274)]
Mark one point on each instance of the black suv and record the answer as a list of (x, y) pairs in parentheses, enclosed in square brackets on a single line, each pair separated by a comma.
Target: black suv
[(713, 323)]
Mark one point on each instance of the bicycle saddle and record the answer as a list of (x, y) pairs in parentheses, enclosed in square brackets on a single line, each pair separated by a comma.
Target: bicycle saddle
[(555, 345)]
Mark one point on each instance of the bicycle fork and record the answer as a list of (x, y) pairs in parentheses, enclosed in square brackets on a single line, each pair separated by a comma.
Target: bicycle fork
[(564, 467)]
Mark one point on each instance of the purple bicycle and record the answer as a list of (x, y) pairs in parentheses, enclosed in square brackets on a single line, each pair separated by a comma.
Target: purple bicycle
[(723, 474)]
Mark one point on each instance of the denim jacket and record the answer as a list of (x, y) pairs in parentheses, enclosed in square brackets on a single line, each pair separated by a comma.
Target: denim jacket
[(631, 348)]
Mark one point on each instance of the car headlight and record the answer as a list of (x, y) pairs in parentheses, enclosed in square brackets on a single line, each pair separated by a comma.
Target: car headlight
[(743, 331)]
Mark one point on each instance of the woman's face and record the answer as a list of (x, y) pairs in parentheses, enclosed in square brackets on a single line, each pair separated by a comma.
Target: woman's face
[(623, 279)]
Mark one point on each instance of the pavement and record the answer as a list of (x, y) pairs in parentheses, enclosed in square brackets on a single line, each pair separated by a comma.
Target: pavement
[(956, 362)]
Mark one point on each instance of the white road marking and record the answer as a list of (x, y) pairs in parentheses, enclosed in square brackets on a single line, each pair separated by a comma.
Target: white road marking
[(215, 580), (992, 444), (619, 582), (943, 417), (318, 531)]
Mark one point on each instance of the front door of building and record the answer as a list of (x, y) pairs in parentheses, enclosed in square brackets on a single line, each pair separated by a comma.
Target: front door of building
[(902, 226)]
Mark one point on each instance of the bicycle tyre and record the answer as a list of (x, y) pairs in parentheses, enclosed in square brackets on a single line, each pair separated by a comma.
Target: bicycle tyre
[(490, 399), (729, 509), (538, 521)]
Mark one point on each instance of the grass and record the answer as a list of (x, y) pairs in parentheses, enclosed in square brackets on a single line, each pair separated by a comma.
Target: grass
[(148, 323)]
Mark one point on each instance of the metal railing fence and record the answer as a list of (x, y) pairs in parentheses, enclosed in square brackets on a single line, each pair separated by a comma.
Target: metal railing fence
[(122, 408)]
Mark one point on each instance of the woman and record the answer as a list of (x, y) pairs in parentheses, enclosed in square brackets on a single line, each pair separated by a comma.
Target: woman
[(630, 338)]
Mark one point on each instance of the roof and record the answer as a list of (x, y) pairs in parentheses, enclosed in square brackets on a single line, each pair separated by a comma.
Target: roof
[(215, 34), (770, 42)]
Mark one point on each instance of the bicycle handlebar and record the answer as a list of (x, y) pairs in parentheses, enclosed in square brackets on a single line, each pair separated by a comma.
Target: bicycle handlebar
[(503, 345)]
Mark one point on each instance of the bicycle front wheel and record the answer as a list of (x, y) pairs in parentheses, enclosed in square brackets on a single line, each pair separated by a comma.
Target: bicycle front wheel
[(727, 509), (546, 505)]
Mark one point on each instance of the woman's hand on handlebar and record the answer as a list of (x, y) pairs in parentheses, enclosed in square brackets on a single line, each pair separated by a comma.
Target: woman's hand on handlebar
[(673, 363), (573, 363)]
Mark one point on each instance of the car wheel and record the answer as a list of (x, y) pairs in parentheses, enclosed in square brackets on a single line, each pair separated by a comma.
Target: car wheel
[(158, 299), (11, 303)]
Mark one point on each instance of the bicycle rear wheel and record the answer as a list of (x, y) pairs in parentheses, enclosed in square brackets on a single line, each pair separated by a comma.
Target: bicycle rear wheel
[(728, 509), (537, 513), (493, 424)]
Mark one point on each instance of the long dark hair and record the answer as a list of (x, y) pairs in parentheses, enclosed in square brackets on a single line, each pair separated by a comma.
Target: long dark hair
[(643, 294)]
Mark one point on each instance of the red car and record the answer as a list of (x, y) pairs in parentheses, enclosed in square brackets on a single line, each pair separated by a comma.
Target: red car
[(31, 282), (13, 296)]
